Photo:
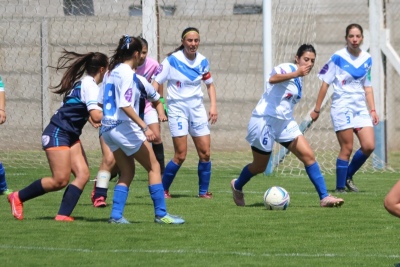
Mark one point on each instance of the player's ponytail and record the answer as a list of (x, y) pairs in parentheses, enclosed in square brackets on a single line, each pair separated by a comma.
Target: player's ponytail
[(184, 33), (76, 65), (127, 46)]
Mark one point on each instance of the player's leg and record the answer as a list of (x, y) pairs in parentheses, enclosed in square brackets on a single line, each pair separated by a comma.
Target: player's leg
[(4, 190), (72, 193), (345, 139), (392, 200), (151, 119), (203, 147)]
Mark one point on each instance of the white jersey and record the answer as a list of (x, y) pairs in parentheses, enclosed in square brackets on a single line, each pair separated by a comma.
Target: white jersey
[(349, 75), (279, 99), (184, 76), (123, 88), (90, 93)]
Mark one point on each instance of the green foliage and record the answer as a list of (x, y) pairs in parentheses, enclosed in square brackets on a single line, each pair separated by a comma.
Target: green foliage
[(216, 232)]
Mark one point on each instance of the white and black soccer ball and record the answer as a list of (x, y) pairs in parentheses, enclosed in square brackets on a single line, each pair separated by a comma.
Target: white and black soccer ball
[(276, 198)]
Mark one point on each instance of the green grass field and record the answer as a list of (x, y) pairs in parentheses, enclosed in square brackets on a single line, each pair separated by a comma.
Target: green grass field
[(216, 232)]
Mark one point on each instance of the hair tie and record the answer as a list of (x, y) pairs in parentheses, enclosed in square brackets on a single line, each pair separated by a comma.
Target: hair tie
[(127, 41)]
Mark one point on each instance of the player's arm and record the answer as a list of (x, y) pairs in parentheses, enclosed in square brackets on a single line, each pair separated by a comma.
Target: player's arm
[(281, 77), (212, 94), (2, 107), (369, 95), (321, 95)]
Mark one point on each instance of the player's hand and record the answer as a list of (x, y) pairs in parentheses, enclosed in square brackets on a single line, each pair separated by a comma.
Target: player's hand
[(375, 118), (94, 124), (162, 117), (314, 115), (303, 70), (213, 115), (3, 116), (150, 136)]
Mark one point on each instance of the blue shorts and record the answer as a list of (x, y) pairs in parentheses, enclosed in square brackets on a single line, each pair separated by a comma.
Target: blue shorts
[(54, 136)]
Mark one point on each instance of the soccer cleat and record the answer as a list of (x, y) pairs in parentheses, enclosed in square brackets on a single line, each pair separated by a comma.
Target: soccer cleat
[(351, 186), (167, 194), (340, 191), (331, 201), (64, 218), (99, 202), (169, 219), (207, 195), (17, 207), (121, 220), (6, 192), (238, 196)]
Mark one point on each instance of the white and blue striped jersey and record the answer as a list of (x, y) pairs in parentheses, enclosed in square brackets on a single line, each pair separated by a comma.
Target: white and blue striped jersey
[(184, 76), (348, 74), (123, 88), (279, 99)]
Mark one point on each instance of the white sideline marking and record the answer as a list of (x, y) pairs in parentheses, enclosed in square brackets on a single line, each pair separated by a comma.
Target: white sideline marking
[(183, 251)]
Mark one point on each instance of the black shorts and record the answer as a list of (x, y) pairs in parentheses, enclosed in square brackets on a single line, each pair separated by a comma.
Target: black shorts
[(54, 136)]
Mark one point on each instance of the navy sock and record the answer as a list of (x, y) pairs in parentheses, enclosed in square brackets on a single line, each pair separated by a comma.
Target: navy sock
[(100, 192), (159, 152), (119, 201), (358, 160), (3, 183), (316, 177), (169, 174), (157, 195), (69, 200), (341, 173), (204, 173), (33, 190), (244, 178)]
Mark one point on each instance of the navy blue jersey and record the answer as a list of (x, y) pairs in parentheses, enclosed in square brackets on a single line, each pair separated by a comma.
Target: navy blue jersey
[(73, 114)]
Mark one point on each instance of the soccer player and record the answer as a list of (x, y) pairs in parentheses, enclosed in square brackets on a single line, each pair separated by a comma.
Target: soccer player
[(146, 68), (126, 134), (349, 72), (3, 184), (185, 69), (272, 120), (60, 139)]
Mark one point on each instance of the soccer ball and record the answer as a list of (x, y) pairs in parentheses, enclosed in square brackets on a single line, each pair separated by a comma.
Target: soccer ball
[(276, 198)]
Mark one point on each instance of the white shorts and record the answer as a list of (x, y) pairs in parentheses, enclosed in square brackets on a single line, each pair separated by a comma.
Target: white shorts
[(187, 117), (348, 118), (125, 136), (263, 131), (150, 116)]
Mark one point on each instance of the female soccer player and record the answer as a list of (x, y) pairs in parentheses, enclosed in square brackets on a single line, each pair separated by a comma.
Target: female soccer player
[(125, 132), (146, 68), (272, 120), (60, 139), (184, 69), (349, 72), (3, 184)]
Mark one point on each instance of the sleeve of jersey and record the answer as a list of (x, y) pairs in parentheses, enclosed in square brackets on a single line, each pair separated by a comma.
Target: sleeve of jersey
[(327, 73), (367, 79), (207, 74), (152, 94), (161, 74), (91, 96), (126, 97)]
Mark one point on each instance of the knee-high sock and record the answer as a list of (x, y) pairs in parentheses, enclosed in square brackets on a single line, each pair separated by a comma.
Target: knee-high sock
[(3, 183), (358, 160), (33, 190), (341, 173), (204, 173), (159, 152), (316, 177), (157, 195), (69, 200), (119, 201), (102, 180), (169, 174), (244, 178)]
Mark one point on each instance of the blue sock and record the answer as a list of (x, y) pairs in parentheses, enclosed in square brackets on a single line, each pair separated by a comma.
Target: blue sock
[(119, 201), (3, 183), (169, 174), (341, 173), (243, 179), (157, 195), (204, 173), (69, 200), (358, 160), (33, 190), (316, 177)]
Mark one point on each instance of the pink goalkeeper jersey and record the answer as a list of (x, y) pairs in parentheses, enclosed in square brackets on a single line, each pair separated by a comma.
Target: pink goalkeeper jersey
[(147, 70)]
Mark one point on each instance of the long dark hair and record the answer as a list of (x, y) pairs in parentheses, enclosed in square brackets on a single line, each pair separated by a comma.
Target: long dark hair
[(185, 31), (127, 46), (305, 48), (76, 65)]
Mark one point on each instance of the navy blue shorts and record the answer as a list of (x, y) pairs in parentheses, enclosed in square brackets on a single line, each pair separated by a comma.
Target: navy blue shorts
[(53, 137)]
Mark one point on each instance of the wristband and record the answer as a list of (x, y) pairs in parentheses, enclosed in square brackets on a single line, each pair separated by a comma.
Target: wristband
[(162, 100), (372, 110), (317, 111), (145, 129)]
